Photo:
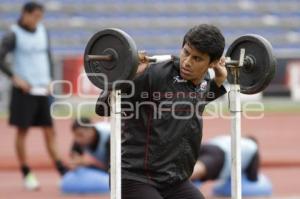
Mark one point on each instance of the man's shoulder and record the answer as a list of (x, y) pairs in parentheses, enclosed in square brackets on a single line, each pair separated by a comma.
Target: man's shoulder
[(8, 40), (172, 61), (14, 27), (42, 27), (156, 75), (165, 67)]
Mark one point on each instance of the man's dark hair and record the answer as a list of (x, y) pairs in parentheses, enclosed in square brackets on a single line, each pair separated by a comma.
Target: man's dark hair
[(83, 122), (31, 6), (206, 39)]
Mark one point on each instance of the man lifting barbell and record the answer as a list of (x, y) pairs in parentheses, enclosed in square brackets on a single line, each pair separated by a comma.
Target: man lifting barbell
[(161, 136), (158, 155)]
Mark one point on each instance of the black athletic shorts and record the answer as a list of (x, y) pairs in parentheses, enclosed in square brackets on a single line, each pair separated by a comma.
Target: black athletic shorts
[(138, 190), (28, 110)]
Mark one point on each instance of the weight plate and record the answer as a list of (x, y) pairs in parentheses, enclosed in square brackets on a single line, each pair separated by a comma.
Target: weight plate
[(124, 65), (257, 75)]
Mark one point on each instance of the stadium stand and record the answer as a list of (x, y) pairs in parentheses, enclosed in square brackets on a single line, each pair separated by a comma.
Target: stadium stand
[(157, 26)]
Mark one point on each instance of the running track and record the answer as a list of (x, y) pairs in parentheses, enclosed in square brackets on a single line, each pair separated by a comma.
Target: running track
[(278, 135)]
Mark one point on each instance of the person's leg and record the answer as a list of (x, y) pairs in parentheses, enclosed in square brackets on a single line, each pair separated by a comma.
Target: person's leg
[(30, 181), (21, 151), (209, 164), (43, 119), (199, 171), (132, 189), (184, 190), (49, 135), (253, 168), (22, 108)]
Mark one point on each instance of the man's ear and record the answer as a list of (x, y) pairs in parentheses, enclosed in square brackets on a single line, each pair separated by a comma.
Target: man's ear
[(213, 63)]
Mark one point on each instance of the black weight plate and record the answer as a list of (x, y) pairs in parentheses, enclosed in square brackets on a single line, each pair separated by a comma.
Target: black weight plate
[(113, 42), (260, 75)]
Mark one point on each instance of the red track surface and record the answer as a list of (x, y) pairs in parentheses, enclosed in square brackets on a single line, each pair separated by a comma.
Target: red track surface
[(278, 135)]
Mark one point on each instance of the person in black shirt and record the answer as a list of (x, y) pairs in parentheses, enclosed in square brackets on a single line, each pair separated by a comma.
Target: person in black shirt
[(162, 121)]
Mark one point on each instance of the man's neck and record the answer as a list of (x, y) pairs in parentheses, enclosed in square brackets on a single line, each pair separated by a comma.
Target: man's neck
[(26, 27), (196, 82)]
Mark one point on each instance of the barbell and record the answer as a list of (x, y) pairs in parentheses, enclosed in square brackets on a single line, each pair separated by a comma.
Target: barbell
[(112, 52)]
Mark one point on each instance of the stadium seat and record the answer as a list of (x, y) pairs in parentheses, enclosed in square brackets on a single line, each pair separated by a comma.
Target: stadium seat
[(168, 20)]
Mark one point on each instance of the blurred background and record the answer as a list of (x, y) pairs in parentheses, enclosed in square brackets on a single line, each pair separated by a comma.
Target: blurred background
[(158, 27)]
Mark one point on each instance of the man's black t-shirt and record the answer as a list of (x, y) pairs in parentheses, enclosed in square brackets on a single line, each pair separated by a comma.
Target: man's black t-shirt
[(162, 125)]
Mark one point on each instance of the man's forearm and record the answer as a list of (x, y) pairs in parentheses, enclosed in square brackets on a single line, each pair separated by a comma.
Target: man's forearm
[(7, 45), (50, 57), (3, 65), (220, 72), (6, 70)]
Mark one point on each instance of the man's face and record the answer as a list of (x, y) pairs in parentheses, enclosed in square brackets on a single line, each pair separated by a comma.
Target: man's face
[(32, 19), (193, 64), (84, 136)]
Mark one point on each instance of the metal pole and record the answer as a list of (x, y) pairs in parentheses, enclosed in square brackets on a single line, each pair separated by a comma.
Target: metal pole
[(99, 57), (115, 145), (235, 109)]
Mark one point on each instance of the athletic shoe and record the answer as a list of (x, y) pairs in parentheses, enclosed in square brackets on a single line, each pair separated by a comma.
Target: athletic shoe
[(31, 183)]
